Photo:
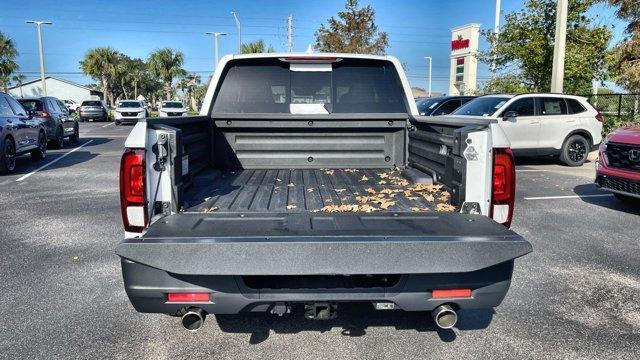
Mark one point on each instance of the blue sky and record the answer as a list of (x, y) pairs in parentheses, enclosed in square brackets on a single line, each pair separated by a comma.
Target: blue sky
[(416, 29)]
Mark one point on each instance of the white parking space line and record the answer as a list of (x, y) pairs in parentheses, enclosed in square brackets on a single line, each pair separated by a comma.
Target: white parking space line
[(566, 197), (104, 126), (52, 162)]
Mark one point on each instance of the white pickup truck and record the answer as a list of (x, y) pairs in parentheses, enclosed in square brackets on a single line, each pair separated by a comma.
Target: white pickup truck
[(311, 179)]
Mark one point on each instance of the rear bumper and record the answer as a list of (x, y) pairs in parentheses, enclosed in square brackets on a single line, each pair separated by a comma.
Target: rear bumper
[(92, 114), (147, 287)]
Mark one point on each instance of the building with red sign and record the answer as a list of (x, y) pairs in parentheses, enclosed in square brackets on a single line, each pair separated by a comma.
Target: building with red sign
[(464, 61)]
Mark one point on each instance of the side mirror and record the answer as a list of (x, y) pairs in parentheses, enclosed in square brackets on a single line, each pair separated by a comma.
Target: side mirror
[(510, 115)]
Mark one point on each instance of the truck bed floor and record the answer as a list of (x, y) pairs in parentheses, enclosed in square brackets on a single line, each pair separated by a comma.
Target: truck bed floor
[(301, 190)]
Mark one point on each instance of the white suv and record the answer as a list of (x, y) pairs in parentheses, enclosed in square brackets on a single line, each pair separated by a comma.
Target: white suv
[(542, 124)]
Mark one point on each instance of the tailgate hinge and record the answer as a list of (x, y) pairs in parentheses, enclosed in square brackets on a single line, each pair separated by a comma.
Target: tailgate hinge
[(160, 149)]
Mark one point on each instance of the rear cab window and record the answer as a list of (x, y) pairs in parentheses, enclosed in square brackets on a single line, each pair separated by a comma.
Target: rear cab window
[(345, 86)]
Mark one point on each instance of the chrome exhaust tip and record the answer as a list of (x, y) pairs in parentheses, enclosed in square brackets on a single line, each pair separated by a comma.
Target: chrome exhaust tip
[(193, 319), (444, 316)]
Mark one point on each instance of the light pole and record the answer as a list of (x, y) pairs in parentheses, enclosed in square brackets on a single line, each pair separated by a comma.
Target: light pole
[(215, 46), (41, 51), (496, 30), (557, 71), (429, 58), (235, 18)]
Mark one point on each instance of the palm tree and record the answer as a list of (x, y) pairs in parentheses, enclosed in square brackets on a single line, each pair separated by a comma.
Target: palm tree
[(8, 64), (165, 64), (255, 48), (19, 79), (194, 81), (100, 64)]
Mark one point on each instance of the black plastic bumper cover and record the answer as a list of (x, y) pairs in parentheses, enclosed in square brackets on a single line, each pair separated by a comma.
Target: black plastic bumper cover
[(321, 244)]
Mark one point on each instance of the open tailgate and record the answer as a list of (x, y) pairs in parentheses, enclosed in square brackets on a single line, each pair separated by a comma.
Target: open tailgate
[(323, 243)]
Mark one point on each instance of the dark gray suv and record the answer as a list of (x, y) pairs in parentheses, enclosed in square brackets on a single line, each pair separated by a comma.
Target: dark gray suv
[(55, 118), (19, 134)]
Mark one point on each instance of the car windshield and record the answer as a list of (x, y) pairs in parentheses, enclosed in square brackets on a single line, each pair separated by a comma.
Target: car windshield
[(31, 105), (484, 106), (426, 106), (91, 103), (129, 104), (172, 104)]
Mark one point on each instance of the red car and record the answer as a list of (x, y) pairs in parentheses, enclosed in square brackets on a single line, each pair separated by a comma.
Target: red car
[(618, 167)]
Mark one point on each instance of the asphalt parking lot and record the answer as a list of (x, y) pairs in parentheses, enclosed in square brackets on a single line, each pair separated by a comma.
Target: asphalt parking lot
[(61, 295)]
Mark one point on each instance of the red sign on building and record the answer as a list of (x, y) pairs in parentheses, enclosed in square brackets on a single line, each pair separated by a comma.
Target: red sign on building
[(459, 44)]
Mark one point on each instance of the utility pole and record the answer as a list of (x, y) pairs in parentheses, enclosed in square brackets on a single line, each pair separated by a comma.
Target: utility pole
[(429, 58), (235, 18), (41, 51), (215, 47), (496, 30), (557, 72), (290, 33)]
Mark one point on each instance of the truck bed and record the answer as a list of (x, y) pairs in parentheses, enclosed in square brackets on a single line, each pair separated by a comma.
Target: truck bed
[(314, 190)]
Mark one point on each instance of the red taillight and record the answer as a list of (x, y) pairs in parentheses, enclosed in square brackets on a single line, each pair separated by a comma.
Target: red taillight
[(503, 189), (599, 117), (451, 293), (133, 204), (188, 297)]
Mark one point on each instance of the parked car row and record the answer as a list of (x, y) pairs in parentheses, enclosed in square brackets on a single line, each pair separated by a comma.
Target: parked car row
[(536, 124), (28, 124), (559, 125)]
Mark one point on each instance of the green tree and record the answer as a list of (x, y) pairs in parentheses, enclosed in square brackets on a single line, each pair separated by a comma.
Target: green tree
[(165, 64), (354, 31), (624, 59), (255, 47), (19, 79), (504, 84), (100, 63), (8, 64), (524, 47)]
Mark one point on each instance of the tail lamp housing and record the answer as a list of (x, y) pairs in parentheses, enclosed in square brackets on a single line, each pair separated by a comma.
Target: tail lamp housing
[(503, 187), (133, 196)]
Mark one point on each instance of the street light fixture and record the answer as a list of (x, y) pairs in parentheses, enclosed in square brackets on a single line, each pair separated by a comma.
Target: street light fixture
[(41, 51), (429, 58), (235, 18), (215, 46)]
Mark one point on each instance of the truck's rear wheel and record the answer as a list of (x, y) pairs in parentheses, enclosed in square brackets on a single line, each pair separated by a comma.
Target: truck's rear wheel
[(575, 150)]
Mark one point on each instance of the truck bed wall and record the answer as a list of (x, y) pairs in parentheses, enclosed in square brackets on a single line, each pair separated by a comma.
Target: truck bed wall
[(313, 142)]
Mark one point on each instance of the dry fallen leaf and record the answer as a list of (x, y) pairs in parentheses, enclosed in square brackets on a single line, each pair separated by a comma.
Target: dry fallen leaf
[(278, 179), (310, 190), (364, 178), (370, 190), (291, 184), (328, 172), (382, 182), (351, 170), (289, 207), (383, 175), (421, 208), (428, 197), (340, 190), (211, 209), (445, 207)]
